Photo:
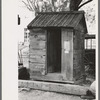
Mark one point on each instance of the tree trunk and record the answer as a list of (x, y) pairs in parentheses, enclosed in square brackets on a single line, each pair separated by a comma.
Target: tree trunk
[(74, 4)]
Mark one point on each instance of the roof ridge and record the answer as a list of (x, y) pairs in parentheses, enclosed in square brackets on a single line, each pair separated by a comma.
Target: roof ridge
[(62, 12)]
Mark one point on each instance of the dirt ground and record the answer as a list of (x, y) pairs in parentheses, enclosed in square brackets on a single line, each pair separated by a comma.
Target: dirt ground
[(27, 94)]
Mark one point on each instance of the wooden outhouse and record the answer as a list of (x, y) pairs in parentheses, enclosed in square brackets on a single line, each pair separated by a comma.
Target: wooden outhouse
[(57, 46)]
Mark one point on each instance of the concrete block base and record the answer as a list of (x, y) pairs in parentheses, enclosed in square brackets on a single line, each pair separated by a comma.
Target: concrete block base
[(54, 87)]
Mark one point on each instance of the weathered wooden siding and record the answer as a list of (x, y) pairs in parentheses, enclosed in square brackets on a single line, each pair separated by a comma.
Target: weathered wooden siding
[(73, 61), (78, 55), (37, 51), (67, 53), (43, 53)]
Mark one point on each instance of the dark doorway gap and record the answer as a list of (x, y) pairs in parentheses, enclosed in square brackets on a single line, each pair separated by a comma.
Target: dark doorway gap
[(54, 50)]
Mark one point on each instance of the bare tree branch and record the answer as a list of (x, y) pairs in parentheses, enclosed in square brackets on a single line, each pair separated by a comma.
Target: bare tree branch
[(78, 2), (84, 3), (25, 3), (33, 4), (28, 6)]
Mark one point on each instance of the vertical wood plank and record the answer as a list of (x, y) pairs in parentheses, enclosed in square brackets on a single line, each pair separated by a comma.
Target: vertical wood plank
[(67, 56)]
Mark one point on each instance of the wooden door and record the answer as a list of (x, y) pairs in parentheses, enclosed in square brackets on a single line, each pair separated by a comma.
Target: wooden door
[(67, 54)]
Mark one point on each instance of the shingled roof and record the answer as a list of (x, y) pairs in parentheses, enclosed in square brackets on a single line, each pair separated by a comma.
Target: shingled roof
[(58, 19)]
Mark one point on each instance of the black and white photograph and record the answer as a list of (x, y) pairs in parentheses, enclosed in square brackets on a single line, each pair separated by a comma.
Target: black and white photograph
[(56, 50)]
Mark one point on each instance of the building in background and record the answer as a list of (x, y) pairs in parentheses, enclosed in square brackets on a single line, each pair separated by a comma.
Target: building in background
[(24, 17)]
